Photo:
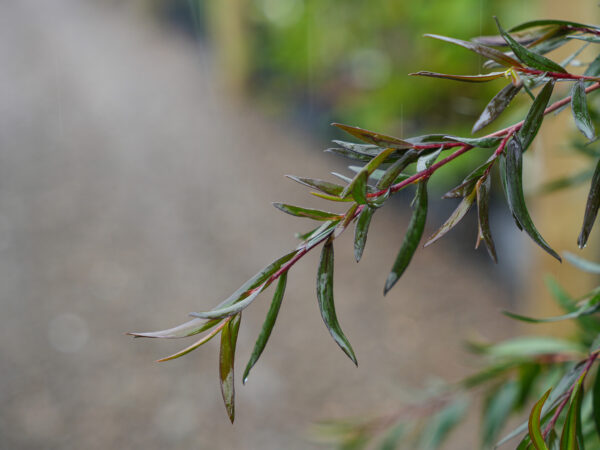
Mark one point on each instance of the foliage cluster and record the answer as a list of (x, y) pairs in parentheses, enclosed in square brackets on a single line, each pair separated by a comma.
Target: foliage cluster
[(552, 373)]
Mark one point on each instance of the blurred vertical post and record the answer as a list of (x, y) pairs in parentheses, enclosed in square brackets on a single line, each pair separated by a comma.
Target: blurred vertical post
[(227, 25), (560, 214)]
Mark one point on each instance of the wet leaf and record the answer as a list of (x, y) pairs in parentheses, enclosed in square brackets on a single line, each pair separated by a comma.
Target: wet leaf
[(583, 264), (580, 110), (496, 106), (298, 211), (572, 426), (361, 231), (468, 184), (321, 185), (591, 208), (482, 78), (458, 214), (189, 328), (358, 185), (371, 137), (359, 188), (535, 432), (237, 307), (226, 363), (516, 199), (545, 22), (356, 156), (484, 142), (267, 327), (535, 116), (326, 302), (484, 233), (332, 198), (482, 50), (391, 175), (412, 237), (528, 57), (195, 345)]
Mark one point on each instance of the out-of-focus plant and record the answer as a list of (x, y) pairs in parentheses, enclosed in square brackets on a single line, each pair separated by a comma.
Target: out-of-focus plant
[(553, 373)]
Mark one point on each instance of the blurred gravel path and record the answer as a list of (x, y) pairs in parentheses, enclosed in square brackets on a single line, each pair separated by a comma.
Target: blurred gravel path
[(130, 194)]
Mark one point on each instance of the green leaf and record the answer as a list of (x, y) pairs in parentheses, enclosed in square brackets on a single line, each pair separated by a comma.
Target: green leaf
[(591, 208), (497, 410), (195, 345), (359, 188), (298, 211), (484, 233), (484, 142), (470, 181), (362, 176), (392, 439), (237, 307), (412, 237), (583, 264), (586, 310), (552, 441), (481, 78), (482, 50), (580, 110), (326, 302), (349, 154), (361, 231), (390, 176), (458, 214), (544, 22), (189, 328), (593, 70), (516, 199), (572, 426), (535, 116), (535, 432), (267, 327), (378, 139), (528, 57), (592, 39), (596, 402), (529, 346), (443, 422), (323, 186), (226, 363), (496, 106)]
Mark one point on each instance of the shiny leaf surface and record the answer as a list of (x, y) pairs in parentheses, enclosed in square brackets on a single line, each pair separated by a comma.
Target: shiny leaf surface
[(496, 106), (458, 214), (580, 110), (535, 116), (371, 137), (226, 363), (361, 231), (484, 233), (591, 208), (535, 432), (298, 211), (482, 78)]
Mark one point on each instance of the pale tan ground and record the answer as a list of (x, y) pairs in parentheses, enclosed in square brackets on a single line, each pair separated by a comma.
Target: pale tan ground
[(131, 194)]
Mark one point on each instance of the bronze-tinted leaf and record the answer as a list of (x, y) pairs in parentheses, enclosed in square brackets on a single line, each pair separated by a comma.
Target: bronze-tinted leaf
[(460, 212), (482, 50), (298, 211), (496, 106), (226, 363), (484, 233), (481, 78), (371, 137), (591, 208)]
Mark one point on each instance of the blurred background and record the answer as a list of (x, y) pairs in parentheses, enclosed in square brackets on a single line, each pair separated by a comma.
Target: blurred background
[(141, 144)]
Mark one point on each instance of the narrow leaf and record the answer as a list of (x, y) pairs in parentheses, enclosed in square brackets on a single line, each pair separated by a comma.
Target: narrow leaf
[(544, 22), (359, 188), (496, 106), (583, 264), (580, 110), (458, 214), (485, 142), (591, 208), (226, 363), (535, 432), (412, 237), (195, 345), (596, 402), (390, 176), (230, 310), (481, 78), (497, 410), (482, 50), (298, 211), (326, 302), (535, 116), (267, 327), (516, 199), (443, 422), (585, 310), (484, 233), (321, 185), (378, 139), (186, 329), (361, 231), (568, 439), (528, 57)]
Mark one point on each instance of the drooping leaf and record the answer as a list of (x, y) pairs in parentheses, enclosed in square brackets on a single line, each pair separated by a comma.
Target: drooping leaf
[(186, 329), (267, 327), (496, 106), (226, 363), (321, 185), (529, 57), (468, 184), (535, 432), (298, 211), (572, 426), (484, 233), (482, 50), (580, 110), (371, 137), (590, 307), (535, 116), (583, 264), (481, 78), (361, 231), (326, 302), (591, 208), (458, 214), (195, 345), (516, 199), (412, 237), (497, 410)]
